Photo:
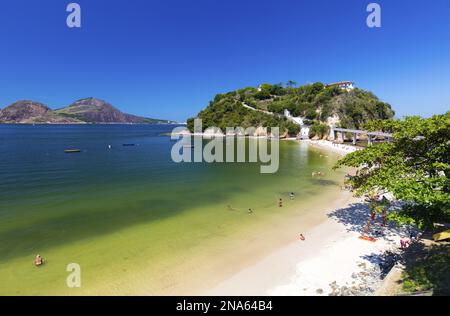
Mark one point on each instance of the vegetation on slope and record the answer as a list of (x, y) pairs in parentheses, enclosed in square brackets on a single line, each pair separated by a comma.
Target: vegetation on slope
[(227, 110), (316, 103)]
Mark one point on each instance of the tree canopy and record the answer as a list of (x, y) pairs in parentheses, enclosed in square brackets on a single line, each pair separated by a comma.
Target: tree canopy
[(414, 167), (227, 111), (315, 102)]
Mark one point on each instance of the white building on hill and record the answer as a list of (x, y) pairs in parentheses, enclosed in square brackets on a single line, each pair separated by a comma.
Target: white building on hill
[(345, 85)]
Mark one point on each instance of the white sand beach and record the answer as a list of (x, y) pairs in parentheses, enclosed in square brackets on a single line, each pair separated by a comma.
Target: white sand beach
[(332, 260), (341, 149)]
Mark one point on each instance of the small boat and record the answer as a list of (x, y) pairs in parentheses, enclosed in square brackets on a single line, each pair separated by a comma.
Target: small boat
[(128, 145), (70, 151)]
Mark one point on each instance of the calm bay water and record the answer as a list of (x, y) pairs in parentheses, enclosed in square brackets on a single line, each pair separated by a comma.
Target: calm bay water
[(122, 210)]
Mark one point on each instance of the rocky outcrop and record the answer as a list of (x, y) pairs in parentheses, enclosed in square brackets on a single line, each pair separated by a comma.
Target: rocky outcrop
[(94, 110), (89, 110), (26, 111)]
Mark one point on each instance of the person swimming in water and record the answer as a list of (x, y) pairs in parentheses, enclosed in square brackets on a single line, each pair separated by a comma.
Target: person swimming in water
[(250, 211), (291, 195), (38, 261), (280, 203)]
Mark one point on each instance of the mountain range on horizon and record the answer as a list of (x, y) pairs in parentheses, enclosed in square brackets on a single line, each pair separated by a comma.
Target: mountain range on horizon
[(89, 110)]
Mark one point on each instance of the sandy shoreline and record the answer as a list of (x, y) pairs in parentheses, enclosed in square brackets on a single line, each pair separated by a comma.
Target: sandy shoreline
[(216, 261), (270, 259), (332, 256), (331, 261), (341, 149)]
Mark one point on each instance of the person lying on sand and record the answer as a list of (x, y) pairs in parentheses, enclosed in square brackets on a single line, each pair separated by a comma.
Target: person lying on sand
[(38, 261), (302, 238)]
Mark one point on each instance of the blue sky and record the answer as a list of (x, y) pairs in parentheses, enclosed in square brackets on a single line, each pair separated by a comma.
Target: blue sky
[(168, 58)]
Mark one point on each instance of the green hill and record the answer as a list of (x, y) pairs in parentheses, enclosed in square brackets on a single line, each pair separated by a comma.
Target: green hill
[(319, 106)]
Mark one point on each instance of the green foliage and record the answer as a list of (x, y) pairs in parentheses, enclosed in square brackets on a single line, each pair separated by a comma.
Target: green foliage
[(293, 129), (429, 271), (190, 124), (319, 130), (317, 103), (291, 83), (414, 168), (359, 107), (262, 95), (314, 102), (229, 112), (276, 89)]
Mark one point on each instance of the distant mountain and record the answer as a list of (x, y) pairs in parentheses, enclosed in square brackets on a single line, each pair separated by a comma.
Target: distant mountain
[(89, 110), (27, 112), (92, 110)]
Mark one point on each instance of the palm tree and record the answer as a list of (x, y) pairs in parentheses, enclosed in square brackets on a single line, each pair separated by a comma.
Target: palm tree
[(291, 83)]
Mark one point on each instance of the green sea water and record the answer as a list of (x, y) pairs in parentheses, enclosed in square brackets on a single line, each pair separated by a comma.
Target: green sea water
[(128, 213)]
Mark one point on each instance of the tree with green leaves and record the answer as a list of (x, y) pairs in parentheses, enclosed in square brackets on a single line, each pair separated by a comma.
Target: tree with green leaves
[(414, 167), (291, 83), (315, 103)]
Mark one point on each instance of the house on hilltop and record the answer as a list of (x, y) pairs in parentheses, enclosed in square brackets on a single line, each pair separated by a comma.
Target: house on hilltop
[(345, 85)]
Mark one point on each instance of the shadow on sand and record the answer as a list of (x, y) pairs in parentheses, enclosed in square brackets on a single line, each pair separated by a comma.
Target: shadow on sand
[(357, 215), (355, 218)]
